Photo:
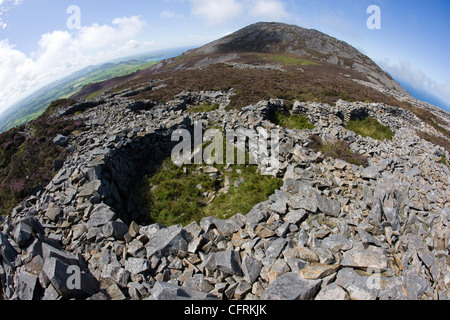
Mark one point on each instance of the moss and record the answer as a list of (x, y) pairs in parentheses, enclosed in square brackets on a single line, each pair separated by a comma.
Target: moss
[(290, 121), (370, 128), (444, 161), (180, 195), (204, 107)]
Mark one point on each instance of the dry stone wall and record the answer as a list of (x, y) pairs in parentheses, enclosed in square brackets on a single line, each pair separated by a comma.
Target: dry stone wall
[(332, 231)]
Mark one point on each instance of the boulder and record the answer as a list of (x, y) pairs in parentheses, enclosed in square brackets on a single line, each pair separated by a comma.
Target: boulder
[(168, 241), (229, 262), (291, 286)]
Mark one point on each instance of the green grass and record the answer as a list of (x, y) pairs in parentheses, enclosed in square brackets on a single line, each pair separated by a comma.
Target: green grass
[(172, 196), (370, 128), (285, 59), (290, 121), (444, 161), (293, 61), (204, 107)]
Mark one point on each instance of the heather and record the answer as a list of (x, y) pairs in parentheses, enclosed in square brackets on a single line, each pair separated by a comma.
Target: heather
[(28, 155)]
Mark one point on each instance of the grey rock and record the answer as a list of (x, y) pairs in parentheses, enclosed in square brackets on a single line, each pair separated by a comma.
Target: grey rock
[(61, 140), (225, 227), (371, 173), (258, 214), (49, 252), (69, 280), (275, 248), (27, 285), (101, 215), (358, 287), (115, 229), (137, 265), (199, 283), (295, 216), (291, 286), (332, 292), (53, 212), (251, 268), (164, 291), (327, 206), (50, 294), (336, 243), (22, 233), (229, 262), (415, 285), (168, 241), (370, 257)]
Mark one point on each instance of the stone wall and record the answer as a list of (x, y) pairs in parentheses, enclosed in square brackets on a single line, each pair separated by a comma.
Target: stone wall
[(333, 231)]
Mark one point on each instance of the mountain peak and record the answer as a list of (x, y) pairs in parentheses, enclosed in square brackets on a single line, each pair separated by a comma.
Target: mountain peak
[(295, 41)]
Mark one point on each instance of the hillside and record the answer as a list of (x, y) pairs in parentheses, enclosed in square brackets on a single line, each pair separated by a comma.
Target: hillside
[(33, 106), (347, 197)]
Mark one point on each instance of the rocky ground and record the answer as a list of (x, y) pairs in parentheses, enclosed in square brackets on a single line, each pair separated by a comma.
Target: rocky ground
[(333, 231)]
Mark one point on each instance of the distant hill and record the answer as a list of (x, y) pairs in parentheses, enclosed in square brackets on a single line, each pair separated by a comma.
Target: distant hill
[(33, 106), (263, 61)]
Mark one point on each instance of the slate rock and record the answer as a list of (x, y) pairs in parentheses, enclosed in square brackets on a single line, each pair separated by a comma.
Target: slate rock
[(163, 291), (370, 257), (358, 287), (258, 214), (53, 212), (371, 173), (69, 280), (168, 241), (251, 268), (318, 270), (332, 292), (229, 262), (101, 215), (27, 286), (329, 207), (61, 140), (336, 243), (22, 233), (115, 229), (137, 265), (291, 286), (7, 251)]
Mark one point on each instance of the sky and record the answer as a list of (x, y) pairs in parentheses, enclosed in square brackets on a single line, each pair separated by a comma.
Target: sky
[(44, 40)]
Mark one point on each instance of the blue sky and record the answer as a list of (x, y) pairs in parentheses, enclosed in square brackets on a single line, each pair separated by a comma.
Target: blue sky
[(37, 46)]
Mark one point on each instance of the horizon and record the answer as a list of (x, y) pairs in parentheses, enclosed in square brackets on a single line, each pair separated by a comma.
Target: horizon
[(42, 42)]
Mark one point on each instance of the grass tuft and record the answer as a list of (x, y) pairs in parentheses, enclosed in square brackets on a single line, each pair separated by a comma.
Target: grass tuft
[(290, 121), (181, 195), (204, 107), (370, 128)]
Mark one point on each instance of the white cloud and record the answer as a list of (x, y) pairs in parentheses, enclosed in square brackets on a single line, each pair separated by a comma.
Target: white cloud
[(5, 6), (170, 15), (417, 79), (62, 52), (216, 12), (268, 10)]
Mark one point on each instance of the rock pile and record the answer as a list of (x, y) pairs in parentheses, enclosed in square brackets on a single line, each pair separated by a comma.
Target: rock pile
[(333, 231)]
